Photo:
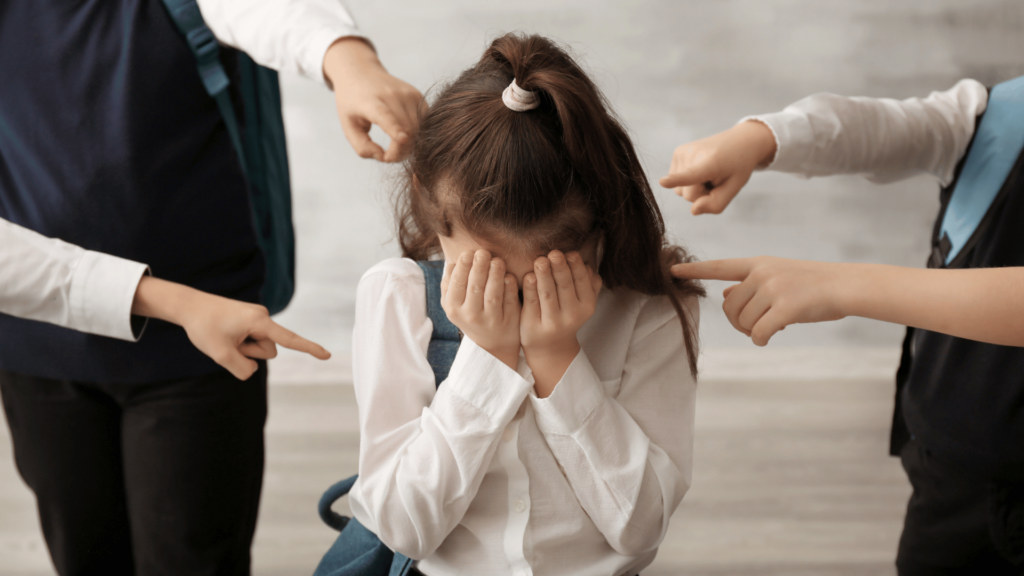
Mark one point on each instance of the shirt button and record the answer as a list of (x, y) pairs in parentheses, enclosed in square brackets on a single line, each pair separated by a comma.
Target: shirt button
[(519, 506)]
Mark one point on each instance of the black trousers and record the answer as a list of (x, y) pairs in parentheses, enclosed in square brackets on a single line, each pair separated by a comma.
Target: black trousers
[(142, 479), (957, 524)]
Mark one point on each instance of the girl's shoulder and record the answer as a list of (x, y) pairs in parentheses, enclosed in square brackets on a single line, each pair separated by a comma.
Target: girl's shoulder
[(646, 313), (395, 280), (402, 269)]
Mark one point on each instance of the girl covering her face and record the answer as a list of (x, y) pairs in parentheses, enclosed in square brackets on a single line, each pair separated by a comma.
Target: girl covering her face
[(561, 441)]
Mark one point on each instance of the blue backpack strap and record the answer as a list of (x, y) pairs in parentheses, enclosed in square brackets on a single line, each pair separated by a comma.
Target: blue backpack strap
[(357, 551), (204, 46), (446, 337), (997, 144)]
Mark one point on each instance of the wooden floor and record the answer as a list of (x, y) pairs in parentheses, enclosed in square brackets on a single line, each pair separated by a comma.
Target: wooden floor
[(790, 479)]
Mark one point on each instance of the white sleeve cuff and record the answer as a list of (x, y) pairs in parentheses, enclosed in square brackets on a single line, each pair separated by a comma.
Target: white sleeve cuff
[(101, 296), (573, 400), (486, 383), (793, 134)]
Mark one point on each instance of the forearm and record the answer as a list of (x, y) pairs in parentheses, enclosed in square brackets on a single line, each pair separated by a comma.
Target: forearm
[(618, 475), (986, 305), (881, 138), (48, 280), (421, 466), (164, 300)]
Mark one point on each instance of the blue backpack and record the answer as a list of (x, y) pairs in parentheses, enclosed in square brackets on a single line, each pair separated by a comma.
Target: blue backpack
[(358, 551), (262, 152)]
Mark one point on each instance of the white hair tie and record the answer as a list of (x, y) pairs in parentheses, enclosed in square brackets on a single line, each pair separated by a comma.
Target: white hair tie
[(518, 99)]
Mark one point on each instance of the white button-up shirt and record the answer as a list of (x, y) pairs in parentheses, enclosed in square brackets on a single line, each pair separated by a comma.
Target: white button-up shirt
[(880, 138), (51, 281), (480, 476)]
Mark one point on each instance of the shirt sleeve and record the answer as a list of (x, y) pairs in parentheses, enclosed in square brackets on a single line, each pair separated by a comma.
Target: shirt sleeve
[(628, 457), (880, 138), (52, 281), (423, 451), (286, 35)]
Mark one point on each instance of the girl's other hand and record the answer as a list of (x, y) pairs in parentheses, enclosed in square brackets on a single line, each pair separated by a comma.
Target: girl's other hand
[(775, 292), (559, 296), (230, 332), (482, 300), (710, 172)]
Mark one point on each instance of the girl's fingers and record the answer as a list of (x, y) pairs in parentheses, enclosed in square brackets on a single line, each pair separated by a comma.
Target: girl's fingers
[(262, 348), (510, 308), (478, 280), (582, 278), (769, 324), (564, 285), (448, 266), (728, 290), (459, 280), (546, 290), (531, 300), (494, 292)]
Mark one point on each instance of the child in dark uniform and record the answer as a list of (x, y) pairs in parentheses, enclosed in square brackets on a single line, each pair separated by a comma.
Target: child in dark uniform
[(959, 420)]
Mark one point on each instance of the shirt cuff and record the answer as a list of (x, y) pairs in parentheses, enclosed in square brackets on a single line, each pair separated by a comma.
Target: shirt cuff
[(102, 292), (790, 129), (486, 383), (573, 400), (316, 50)]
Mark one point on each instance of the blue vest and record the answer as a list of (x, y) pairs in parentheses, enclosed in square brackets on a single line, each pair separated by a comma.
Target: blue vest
[(108, 140), (962, 399)]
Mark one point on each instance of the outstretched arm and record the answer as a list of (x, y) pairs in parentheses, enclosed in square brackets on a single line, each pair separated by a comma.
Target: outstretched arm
[(230, 332), (986, 305), (880, 138), (320, 40)]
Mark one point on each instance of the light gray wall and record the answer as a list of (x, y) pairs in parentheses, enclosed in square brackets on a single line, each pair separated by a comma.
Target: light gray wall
[(675, 71)]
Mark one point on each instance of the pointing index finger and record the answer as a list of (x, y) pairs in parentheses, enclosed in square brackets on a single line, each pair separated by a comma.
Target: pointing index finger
[(732, 269)]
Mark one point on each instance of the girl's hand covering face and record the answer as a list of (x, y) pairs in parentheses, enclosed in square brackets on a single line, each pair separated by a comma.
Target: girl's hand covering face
[(482, 300), (559, 296)]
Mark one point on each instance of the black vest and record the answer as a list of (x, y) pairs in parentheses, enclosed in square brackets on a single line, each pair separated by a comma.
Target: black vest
[(964, 400), (109, 141)]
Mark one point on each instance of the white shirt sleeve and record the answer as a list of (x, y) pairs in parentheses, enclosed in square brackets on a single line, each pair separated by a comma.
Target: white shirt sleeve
[(629, 477), (880, 138), (423, 452), (52, 281), (286, 35)]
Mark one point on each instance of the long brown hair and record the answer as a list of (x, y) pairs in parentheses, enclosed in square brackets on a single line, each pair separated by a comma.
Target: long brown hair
[(552, 177)]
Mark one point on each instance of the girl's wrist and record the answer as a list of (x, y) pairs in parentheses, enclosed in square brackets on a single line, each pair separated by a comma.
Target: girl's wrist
[(549, 364)]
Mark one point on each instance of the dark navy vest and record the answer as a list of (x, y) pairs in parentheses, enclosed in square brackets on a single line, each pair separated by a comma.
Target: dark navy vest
[(964, 400), (109, 141)]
